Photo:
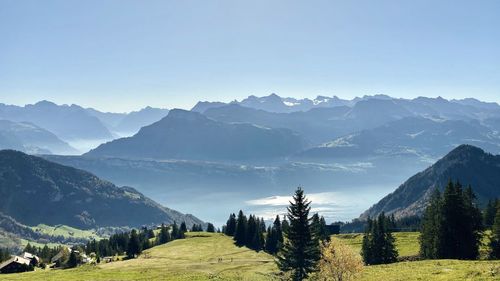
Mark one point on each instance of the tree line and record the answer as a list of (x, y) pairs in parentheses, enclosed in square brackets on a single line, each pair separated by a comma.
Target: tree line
[(295, 240), (134, 242)]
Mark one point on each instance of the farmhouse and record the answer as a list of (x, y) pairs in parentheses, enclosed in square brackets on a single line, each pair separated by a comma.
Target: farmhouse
[(17, 264)]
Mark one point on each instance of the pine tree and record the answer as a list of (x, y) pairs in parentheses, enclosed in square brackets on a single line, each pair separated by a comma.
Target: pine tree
[(240, 230), (490, 212), (366, 246), (175, 231), (285, 225), (431, 228), (495, 236), (182, 231), (274, 237), (251, 233), (324, 234), (210, 227), (300, 252), (278, 231), (164, 235), (231, 225), (271, 243), (73, 260), (134, 245)]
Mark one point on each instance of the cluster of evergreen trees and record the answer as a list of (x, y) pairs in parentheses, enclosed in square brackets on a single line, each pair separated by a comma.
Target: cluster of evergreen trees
[(378, 242), (252, 232), (451, 225), (134, 242), (246, 231)]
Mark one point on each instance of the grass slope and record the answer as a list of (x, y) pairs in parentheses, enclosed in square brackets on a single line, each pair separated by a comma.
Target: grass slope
[(193, 258), (434, 270), (65, 231), (196, 258)]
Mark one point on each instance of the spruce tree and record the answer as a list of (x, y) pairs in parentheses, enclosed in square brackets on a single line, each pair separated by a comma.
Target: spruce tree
[(431, 228), (490, 212), (279, 231), (73, 260), (134, 245), (284, 225), (164, 235), (495, 236), (210, 227), (231, 225), (300, 252), (240, 230), (182, 231), (271, 243), (175, 231), (324, 234)]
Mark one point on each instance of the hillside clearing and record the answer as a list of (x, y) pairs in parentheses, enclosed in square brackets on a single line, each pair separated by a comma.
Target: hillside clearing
[(193, 258)]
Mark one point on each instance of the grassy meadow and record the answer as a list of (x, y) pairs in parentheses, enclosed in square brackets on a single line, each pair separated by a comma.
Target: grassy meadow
[(212, 256), (65, 231)]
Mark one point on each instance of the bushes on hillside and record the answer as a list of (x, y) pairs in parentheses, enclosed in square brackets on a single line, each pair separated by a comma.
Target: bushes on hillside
[(339, 262)]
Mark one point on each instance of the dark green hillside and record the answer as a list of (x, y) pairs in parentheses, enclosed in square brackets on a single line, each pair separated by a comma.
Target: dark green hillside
[(34, 191), (468, 164)]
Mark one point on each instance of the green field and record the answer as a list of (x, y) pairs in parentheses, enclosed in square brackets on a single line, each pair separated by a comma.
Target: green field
[(65, 231), (197, 258), (193, 258), (452, 270)]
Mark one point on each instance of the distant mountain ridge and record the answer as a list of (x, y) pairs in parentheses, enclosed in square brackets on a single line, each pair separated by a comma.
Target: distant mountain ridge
[(191, 135), (68, 122), (468, 164), (30, 138), (410, 135), (34, 191), (129, 123)]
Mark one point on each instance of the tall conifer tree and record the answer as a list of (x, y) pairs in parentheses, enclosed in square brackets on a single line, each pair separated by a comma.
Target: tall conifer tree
[(300, 252)]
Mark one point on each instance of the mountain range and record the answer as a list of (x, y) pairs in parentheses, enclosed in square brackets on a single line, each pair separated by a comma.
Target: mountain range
[(467, 164), (129, 123), (34, 191), (68, 122), (410, 135), (191, 135), (30, 138)]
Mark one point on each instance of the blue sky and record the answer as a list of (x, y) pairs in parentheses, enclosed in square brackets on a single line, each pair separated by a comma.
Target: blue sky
[(123, 55)]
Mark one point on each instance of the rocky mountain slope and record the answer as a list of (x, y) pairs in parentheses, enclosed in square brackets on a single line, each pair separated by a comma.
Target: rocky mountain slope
[(468, 164)]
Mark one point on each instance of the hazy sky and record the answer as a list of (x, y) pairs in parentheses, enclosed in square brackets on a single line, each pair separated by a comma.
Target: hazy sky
[(122, 55)]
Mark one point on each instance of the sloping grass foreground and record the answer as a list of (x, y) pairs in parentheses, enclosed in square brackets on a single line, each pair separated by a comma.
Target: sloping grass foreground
[(204, 256), (434, 270), (200, 256)]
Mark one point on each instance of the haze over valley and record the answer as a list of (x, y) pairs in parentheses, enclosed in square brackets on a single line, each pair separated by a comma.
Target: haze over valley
[(254, 152)]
